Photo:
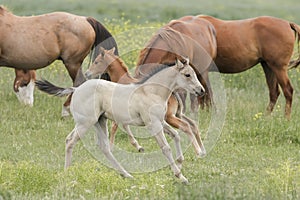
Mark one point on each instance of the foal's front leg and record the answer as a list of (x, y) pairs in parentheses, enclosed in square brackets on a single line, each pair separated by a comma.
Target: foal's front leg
[(133, 141), (174, 134), (156, 129)]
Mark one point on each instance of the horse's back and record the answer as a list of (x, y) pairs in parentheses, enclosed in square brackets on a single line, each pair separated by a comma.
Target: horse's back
[(241, 44), (53, 35)]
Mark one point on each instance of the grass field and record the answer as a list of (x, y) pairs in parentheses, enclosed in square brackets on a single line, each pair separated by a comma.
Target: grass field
[(255, 157)]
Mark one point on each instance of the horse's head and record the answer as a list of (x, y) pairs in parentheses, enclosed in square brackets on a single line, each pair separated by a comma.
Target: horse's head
[(101, 63), (24, 85), (187, 78)]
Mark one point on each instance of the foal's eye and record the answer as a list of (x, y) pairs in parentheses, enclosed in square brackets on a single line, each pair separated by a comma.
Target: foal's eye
[(187, 75)]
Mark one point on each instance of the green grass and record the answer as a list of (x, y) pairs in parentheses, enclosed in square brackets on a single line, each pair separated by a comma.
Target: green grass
[(255, 157)]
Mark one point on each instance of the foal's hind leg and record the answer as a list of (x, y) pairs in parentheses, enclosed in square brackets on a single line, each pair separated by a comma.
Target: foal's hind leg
[(71, 140), (103, 143), (273, 87), (196, 133)]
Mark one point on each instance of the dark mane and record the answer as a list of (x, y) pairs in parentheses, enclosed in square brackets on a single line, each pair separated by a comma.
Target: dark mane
[(103, 38), (155, 70), (145, 52)]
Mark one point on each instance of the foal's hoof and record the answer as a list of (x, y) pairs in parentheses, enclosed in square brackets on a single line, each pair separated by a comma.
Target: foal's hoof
[(127, 175), (141, 150), (183, 179)]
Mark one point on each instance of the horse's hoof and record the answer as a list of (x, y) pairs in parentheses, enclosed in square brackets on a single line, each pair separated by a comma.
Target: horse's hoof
[(183, 179), (141, 150), (127, 175), (202, 154)]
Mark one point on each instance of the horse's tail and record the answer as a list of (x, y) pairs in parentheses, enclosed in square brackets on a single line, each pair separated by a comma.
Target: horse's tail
[(51, 89), (103, 38), (296, 62)]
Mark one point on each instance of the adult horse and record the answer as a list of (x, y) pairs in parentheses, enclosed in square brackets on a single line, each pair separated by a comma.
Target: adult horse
[(34, 42), (242, 44), (24, 85), (188, 36), (141, 104)]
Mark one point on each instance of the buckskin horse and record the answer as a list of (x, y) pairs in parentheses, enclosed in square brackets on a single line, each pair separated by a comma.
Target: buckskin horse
[(242, 44), (140, 104), (34, 42)]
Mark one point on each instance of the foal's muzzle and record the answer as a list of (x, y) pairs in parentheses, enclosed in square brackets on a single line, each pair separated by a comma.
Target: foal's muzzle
[(88, 74), (200, 91)]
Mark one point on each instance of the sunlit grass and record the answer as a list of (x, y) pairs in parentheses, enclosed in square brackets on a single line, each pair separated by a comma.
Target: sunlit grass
[(255, 157)]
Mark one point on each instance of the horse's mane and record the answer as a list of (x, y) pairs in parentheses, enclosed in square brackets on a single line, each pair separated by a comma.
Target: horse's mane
[(154, 71), (145, 52), (122, 63), (171, 37), (103, 38)]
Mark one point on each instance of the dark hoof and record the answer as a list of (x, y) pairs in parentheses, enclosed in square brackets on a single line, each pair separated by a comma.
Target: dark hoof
[(141, 150)]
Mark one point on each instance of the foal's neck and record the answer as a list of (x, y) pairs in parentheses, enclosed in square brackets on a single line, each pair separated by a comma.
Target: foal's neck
[(118, 72), (162, 83)]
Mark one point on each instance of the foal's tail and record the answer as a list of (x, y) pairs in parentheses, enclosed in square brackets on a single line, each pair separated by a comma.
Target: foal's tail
[(296, 28), (51, 89)]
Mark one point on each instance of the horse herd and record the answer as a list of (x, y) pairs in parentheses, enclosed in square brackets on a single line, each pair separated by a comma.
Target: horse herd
[(179, 55)]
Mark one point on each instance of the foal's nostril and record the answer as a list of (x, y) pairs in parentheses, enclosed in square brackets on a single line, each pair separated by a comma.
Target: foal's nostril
[(200, 91)]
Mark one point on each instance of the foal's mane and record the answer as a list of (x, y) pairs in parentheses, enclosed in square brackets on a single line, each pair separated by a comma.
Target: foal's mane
[(154, 71), (121, 62)]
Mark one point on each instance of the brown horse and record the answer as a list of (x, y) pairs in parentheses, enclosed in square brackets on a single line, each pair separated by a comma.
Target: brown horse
[(24, 85), (188, 36), (108, 62), (242, 44), (57, 35)]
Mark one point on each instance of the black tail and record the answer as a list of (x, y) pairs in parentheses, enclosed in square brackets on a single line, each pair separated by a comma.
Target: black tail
[(51, 89), (103, 38)]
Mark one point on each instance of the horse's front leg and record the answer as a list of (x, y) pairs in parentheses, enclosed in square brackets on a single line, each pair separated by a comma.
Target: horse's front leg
[(133, 141), (156, 129), (174, 134)]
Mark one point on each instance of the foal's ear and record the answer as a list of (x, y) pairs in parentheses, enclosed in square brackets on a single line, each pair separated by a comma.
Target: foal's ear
[(179, 64), (112, 50)]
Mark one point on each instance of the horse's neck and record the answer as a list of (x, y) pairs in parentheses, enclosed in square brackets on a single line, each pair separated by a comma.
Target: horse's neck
[(118, 72)]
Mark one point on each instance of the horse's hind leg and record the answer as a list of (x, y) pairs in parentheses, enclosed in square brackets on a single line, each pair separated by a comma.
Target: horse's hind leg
[(196, 133), (71, 140), (103, 142), (272, 85), (287, 89)]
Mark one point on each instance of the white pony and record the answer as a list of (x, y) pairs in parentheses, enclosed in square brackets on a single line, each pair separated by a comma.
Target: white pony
[(139, 104)]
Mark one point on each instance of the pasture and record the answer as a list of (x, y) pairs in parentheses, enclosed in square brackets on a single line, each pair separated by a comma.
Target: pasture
[(254, 157)]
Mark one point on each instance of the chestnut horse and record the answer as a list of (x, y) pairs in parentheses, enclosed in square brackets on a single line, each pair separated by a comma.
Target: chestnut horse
[(188, 36), (108, 62), (242, 44), (34, 42)]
